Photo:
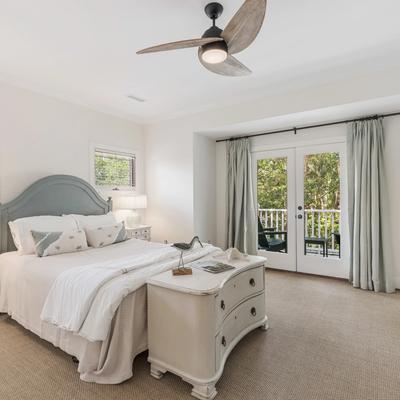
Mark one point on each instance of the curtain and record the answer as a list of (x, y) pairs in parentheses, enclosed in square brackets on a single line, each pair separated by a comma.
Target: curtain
[(370, 251), (241, 218)]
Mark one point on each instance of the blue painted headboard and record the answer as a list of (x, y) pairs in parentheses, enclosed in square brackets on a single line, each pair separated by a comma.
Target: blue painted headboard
[(53, 195)]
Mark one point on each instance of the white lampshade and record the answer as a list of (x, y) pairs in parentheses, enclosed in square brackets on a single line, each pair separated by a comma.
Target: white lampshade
[(130, 202)]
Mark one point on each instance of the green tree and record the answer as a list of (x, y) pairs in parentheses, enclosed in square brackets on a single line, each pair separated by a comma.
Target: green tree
[(113, 170), (321, 187), (322, 181), (272, 183)]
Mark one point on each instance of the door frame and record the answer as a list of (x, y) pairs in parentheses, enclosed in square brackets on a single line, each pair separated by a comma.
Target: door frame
[(290, 261)]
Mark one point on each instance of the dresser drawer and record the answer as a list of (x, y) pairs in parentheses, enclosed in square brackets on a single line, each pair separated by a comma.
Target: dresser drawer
[(245, 315), (237, 289)]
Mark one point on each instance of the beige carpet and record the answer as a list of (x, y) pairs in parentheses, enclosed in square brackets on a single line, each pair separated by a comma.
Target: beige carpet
[(326, 341)]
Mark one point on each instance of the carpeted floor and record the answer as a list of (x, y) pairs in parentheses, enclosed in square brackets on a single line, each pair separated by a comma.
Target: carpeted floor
[(326, 341)]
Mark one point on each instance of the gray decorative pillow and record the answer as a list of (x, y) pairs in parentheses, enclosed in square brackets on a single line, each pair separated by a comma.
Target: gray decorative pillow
[(106, 235), (52, 243)]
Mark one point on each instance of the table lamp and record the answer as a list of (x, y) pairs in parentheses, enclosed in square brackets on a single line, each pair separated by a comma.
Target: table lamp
[(131, 203)]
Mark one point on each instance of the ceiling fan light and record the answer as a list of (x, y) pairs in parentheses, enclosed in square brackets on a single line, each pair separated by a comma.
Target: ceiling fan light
[(214, 53), (214, 56)]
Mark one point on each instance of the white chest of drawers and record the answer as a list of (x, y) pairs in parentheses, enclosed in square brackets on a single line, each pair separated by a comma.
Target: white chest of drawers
[(195, 321)]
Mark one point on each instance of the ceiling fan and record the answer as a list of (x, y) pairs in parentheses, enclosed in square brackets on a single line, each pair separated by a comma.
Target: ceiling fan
[(216, 46)]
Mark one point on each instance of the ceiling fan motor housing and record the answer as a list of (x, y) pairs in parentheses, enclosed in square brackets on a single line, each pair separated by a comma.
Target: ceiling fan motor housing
[(214, 10), (213, 32)]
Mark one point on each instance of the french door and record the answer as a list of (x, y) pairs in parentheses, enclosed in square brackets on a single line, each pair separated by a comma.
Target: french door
[(301, 196)]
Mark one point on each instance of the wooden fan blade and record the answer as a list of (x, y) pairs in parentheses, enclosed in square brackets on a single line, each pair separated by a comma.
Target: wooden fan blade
[(244, 27), (230, 67), (183, 44)]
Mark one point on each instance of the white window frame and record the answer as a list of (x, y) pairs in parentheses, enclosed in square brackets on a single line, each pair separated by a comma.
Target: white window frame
[(112, 149)]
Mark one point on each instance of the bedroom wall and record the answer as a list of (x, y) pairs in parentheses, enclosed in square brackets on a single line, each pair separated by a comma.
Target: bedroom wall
[(40, 135), (204, 192), (169, 181)]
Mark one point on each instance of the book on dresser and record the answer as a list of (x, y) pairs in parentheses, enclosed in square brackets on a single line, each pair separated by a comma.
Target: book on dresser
[(195, 321)]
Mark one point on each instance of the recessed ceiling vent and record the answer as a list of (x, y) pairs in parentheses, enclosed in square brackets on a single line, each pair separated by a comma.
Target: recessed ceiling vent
[(136, 98)]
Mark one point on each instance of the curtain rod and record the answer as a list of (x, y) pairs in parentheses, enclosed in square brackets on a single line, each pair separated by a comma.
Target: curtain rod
[(295, 129)]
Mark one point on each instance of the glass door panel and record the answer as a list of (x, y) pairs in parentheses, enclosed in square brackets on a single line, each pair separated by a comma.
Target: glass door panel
[(274, 184), (320, 205)]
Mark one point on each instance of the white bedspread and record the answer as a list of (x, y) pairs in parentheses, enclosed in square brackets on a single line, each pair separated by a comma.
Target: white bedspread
[(25, 282), (84, 299)]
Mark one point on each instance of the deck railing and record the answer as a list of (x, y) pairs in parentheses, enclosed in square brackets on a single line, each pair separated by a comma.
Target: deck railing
[(317, 223)]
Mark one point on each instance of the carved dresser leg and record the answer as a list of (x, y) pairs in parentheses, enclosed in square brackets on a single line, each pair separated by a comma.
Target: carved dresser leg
[(265, 326), (204, 392), (157, 372)]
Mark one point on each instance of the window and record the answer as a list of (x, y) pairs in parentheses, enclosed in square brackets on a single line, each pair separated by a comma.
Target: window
[(115, 170)]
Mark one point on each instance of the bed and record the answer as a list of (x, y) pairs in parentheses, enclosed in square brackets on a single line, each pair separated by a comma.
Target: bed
[(26, 282)]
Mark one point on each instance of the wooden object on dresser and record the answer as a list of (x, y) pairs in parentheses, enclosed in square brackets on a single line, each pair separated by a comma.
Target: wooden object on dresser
[(194, 322), (142, 232)]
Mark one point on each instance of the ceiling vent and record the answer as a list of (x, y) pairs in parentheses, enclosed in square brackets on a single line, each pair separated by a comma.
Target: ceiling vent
[(136, 98)]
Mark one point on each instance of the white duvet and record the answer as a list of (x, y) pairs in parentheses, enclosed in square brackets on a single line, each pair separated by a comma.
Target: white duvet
[(29, 284), (84, 299)]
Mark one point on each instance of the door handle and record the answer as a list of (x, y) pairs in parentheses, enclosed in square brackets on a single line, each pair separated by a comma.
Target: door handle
[(299, 216)]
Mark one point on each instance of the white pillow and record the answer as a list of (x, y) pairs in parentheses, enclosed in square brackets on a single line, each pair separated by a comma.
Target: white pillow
[(15, 236), (93, 221), (106, 235), (51, 243), (21, 229)]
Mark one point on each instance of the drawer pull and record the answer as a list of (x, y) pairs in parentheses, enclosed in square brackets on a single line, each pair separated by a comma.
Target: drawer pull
[(223, 341), (253, 312), (222, 304), (252, 282)]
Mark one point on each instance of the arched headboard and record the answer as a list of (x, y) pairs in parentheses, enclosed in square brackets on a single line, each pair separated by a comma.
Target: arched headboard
[(53, 195)]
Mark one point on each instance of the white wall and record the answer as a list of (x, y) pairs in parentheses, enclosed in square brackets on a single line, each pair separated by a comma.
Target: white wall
[(169, 181), (40, 136), (205, 196)]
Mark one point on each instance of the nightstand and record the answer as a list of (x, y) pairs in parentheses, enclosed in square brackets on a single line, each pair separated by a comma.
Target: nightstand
[(142, 232), (195, 321)]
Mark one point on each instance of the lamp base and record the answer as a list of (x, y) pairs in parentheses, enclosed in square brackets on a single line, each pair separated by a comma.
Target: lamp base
[(133, 220)]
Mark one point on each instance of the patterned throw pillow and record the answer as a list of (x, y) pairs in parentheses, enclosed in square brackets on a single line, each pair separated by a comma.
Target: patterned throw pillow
[(106, 235), (52, 243)]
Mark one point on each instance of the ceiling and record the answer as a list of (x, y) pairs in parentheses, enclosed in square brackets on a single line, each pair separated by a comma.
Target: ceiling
[(85, 51)]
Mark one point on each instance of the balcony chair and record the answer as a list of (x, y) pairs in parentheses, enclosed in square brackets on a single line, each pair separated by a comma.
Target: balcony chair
[(336, 239), (267, 240)]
